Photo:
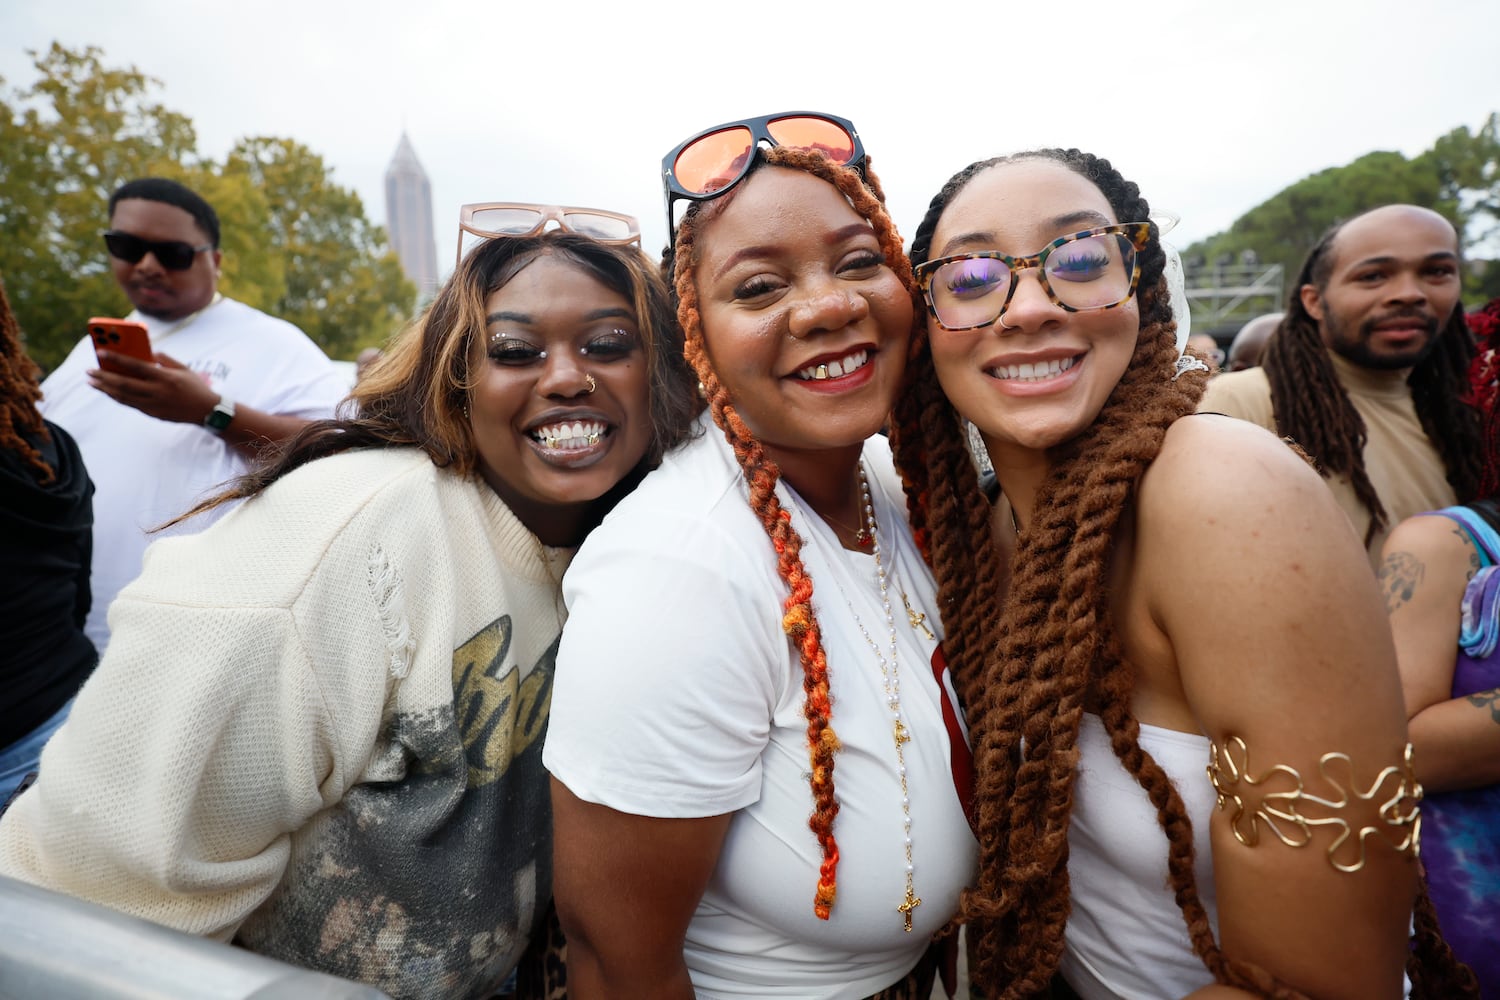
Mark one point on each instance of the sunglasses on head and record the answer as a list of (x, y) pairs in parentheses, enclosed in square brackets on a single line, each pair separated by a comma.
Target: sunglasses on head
[(716, 159), (1093, 269), (174, 255), (493, 219)]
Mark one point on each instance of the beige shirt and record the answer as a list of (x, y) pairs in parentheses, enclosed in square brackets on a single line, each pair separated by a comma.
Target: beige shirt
[(1406, 470)]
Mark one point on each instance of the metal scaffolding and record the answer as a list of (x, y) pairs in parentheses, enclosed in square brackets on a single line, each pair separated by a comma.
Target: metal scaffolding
[(1225, 296)]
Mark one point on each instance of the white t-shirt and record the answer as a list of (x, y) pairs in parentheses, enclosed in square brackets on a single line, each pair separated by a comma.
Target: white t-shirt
[(147, 471), (1126, 937), (678, 695)]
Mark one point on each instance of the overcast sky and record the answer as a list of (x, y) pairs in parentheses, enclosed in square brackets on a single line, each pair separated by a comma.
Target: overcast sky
[(1210, 107)]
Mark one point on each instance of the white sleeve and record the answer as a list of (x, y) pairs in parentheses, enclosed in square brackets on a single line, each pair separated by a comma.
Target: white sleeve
[(200, 742), (305, 384), (671, 666)]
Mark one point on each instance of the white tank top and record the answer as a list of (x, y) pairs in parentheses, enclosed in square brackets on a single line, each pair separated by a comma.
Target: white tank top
[(1126, 937)]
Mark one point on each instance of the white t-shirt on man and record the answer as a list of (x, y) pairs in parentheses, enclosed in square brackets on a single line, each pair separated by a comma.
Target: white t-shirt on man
[(147, 471)]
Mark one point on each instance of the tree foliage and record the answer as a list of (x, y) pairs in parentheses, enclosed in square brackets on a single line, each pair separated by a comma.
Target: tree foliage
[(1458, 177), (341, 280), (295, 243)]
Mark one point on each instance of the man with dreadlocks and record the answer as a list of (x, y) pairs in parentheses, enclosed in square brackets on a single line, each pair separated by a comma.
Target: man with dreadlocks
[(226, 380), (1369, 369), (46, 522)]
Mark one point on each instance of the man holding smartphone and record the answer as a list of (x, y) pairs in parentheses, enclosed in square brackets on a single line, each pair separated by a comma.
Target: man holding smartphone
[(224, 380)]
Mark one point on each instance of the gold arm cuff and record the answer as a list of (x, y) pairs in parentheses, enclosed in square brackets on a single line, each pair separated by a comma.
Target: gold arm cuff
[(1293, 814)]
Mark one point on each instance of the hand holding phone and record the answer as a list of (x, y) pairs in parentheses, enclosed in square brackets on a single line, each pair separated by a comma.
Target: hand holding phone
[(121, 337)]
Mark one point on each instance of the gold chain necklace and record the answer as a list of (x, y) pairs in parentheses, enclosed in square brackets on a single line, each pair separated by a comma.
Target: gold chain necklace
[(863, 537), (183, 323), (891, 683)]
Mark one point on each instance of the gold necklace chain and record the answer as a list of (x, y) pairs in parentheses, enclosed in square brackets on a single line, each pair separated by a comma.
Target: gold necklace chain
[(863, 537), (891, 683), (186, 321)]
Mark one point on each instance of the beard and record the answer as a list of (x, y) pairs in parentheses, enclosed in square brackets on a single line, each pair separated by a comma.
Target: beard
[(1356, 347)]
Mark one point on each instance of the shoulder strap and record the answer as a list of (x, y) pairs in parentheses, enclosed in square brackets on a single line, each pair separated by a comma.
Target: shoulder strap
[(990, 483), (1478, 526)]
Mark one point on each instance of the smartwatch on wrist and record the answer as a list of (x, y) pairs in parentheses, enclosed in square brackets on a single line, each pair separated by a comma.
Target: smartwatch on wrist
[(218, 418)]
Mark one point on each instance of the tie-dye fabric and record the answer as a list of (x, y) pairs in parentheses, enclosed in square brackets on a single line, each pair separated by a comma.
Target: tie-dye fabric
[(1461, 829)]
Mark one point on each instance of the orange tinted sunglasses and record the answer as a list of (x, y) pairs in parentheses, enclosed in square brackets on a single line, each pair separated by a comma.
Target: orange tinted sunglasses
[(716, 159)]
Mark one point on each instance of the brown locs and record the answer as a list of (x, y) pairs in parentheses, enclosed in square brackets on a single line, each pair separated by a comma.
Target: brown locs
[(1022, 664), (20, 389), (1313, 409)]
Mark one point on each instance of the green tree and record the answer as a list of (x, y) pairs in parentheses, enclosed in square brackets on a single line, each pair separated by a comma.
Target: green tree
[(1283, 228), (294, 243), (64, 145), (344, 285), (1458, 177)]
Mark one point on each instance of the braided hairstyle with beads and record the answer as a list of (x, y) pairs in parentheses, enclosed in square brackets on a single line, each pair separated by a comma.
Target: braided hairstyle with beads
[(1313, 408), (1023, 657), (762, 474), (19, 392)]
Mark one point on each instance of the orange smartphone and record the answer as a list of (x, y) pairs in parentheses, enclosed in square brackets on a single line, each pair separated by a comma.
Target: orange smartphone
[(122, 337)]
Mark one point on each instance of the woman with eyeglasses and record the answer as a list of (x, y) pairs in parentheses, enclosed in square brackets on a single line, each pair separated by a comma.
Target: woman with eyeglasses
[(317, 730), (759, 770), (1140, 596)]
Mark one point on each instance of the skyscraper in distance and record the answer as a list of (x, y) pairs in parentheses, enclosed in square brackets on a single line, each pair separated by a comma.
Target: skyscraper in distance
[(408, 215)]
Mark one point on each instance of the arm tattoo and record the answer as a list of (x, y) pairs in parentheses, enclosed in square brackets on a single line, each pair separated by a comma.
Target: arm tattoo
[(1490, 698), (1399, 576), (1473, 553)]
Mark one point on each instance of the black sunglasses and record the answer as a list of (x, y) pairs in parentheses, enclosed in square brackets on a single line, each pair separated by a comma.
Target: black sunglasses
[(716, 159), (174, 255)]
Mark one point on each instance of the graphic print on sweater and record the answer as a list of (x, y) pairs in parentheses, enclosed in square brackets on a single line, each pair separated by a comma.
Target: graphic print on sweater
[(429, 877)]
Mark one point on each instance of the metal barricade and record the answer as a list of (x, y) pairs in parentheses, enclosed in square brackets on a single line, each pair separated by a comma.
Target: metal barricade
[(54, 947)]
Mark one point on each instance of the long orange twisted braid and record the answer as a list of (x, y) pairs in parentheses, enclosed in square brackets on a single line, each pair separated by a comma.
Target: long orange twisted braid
[(762, 474)]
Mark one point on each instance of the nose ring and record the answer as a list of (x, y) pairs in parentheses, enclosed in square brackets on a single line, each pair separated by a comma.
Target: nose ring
[(589, 381), (1003, 325)]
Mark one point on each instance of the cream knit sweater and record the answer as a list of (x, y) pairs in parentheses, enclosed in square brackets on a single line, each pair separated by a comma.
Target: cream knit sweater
[(317, 732)]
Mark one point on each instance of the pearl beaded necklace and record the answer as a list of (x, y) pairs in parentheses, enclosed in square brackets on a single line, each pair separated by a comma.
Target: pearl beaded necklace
[(891, 682)]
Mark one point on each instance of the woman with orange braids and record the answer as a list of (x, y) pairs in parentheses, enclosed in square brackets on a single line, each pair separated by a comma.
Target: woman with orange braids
[(1098, 689), (758, 767)]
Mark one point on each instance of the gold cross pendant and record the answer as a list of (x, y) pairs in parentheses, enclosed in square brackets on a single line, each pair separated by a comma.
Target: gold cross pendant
[(916, 618), (912, 902)]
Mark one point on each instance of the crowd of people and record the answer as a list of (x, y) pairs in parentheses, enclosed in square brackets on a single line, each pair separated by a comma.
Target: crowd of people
[(783, 618)]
